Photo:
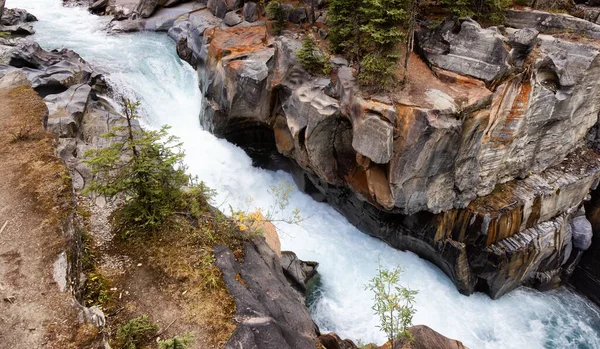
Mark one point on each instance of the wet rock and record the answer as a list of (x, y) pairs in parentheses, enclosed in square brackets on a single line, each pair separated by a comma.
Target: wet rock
[(98, 6), (16, 17), (279, 320), (464, 47), (232, 19), (250, 12), (50, 72), (16, 22), (586, 277), (297, 271)]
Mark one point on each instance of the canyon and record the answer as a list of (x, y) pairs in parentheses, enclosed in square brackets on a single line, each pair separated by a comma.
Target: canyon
[(484, 164)]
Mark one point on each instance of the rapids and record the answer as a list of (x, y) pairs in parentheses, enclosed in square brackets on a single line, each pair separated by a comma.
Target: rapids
[(144, 66)]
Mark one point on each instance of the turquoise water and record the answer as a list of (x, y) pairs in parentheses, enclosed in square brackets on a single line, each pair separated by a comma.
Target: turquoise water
[(145, 67)]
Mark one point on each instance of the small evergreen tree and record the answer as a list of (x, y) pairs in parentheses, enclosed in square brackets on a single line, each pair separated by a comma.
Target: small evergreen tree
[(489, 10), (344, 26), (393, 303), (145, 167), (312, 59), (276, 12), (177, 342), (382, 31), (135, 333)]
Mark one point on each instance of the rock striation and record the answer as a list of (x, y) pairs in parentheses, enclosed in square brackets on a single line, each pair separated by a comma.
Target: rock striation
[(478, 167)]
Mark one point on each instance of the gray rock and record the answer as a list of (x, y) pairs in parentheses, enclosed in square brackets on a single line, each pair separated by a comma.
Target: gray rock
[(2, 2), (50, 71), (98, 6), (146, 8), (279, 320), (67, 110), (93, 315), (13, 79), (297, 271), (522, 43), (297, 15), (550, 23), (16, 16), (250, 12), (232, 19), (582, 233), (464, 47), (339, 61), (220, 8)]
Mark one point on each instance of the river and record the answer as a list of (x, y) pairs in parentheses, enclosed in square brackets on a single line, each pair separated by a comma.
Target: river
[(144, 66)]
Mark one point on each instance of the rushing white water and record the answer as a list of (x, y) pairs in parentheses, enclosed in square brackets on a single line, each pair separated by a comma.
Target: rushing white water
[(145, 66)]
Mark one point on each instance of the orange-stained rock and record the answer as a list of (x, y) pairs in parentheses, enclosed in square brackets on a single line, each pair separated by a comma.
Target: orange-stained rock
[(269, 231)]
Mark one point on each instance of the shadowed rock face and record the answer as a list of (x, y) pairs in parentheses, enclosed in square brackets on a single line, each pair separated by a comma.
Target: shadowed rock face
[(481, 176)]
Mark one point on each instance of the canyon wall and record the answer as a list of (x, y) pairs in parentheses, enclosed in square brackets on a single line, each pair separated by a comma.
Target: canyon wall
[(479, 164)]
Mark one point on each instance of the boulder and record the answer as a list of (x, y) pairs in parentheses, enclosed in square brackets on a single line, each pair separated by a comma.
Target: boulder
[(16, 16), (464, 47), (50, 72), (582, 233), (66, 110), (297, 15), (522, 42), (220, 8), (146, 8), (250, 12), (14, 78), (297, 271), (279, 320), (98, 6), (232, 19), (424, 337)]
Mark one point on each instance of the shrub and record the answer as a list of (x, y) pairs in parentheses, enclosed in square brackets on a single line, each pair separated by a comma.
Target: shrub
[(276, 13), (489, 10), (312, 59), (393, 303), (145, 167), (135, 333), (177, 342), (377, 70)]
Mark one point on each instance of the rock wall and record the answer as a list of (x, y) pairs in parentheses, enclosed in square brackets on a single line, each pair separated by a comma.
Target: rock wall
[(479, 165)]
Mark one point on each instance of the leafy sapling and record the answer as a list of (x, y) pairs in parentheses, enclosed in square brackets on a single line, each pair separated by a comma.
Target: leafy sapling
[(394, 303)]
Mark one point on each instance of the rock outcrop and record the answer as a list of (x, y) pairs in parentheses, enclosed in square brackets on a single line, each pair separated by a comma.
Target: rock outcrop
[(269, 312), (478, 167), (16, 21)]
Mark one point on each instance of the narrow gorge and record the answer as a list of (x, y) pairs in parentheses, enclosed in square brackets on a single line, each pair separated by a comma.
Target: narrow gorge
[(480, 177)]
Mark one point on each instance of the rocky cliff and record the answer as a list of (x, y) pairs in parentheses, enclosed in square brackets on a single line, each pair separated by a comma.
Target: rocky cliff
[(478, 165)]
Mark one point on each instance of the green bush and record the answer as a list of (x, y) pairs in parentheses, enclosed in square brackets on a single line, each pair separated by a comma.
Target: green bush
[(488, 10), (376, 70), (177, 342), (145, 167), (135, 333), (275, 12), (312, 59)]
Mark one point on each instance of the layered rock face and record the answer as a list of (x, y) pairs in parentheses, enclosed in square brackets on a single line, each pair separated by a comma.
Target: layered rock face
[(477, 165)]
